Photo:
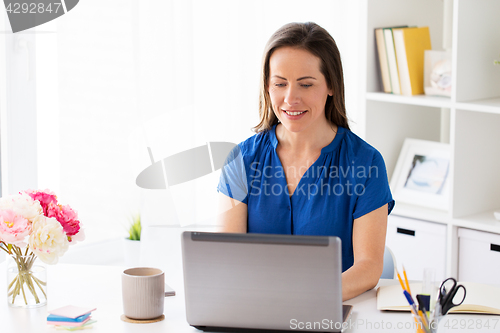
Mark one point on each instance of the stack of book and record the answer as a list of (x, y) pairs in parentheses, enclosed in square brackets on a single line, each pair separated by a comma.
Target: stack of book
[(71, 318), (401, 56)]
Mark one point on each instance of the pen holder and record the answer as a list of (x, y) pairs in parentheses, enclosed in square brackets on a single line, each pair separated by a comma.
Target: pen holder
[(429, 285), (420, 329), (436, 318)]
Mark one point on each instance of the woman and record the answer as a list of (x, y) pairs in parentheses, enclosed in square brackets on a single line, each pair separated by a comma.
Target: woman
[(305, 172)]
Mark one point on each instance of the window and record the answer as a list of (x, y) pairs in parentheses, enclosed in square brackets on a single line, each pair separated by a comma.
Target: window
[(170, 75)]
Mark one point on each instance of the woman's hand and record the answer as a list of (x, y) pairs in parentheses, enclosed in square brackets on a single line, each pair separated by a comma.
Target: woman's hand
[(368, 238), (232, 215)]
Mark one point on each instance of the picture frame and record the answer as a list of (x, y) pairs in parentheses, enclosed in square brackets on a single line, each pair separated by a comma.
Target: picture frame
[(421, 176), (437, 73)]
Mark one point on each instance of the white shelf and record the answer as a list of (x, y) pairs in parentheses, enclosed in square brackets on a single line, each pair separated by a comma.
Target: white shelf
[(491, 105), (483, 221), (421, 213), (423, 100)]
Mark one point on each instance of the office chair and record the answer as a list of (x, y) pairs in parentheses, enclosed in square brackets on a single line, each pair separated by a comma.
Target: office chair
[(389, 264)]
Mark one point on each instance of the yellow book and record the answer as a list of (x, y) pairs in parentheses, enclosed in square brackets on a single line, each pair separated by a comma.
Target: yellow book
[(410, 44), (479, 299)]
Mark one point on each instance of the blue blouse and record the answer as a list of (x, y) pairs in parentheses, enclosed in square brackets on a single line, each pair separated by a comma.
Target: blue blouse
[(347, 181)]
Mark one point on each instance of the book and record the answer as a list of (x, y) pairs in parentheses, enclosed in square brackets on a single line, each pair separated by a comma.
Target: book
[(410, 45), (479, 299), (382, 57), (392, 61)]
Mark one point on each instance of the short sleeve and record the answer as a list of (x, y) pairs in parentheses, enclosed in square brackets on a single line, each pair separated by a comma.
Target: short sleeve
[(233, 180), (376, 191)]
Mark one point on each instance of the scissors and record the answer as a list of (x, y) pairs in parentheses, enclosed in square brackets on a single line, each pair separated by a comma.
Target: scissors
[(447, 293)]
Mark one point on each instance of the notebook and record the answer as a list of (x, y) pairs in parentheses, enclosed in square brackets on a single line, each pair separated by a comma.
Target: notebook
[(480, 298), (257, 282)]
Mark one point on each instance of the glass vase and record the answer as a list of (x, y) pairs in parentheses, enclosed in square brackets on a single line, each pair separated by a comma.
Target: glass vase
[(26, 281)]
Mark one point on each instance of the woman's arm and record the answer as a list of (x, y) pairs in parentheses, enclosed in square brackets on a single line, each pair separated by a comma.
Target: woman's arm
[(232, 214), (368, 238)]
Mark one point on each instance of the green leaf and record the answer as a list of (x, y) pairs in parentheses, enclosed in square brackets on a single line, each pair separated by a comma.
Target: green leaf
[(135, 228)]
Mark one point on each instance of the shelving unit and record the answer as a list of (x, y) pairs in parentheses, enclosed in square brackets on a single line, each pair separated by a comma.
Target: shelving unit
[(469, 121)]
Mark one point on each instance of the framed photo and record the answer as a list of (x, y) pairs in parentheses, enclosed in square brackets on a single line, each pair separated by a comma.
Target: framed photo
[(421, 176), (437, 73)]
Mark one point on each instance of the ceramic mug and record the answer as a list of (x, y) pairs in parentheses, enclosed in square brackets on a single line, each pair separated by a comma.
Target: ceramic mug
[(143, 291)]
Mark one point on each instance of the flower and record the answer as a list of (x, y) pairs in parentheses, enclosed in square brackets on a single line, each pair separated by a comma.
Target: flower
[(66, 216), (13, 228), (49, 227), (22, 204), (45, 198), (79, 237), (48, 240)]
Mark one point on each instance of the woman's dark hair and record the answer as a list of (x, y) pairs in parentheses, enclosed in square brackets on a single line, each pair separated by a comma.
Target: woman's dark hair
[(313, 38)]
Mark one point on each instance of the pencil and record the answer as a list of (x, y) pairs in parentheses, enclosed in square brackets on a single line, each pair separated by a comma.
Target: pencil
[(421, 326), (400, 280), (406, 280), (424, 319)]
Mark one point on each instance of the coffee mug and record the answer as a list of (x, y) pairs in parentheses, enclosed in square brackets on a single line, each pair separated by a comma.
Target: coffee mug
[(143, 290)]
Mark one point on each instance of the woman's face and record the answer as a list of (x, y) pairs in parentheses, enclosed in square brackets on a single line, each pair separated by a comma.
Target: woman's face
[(297, 88)]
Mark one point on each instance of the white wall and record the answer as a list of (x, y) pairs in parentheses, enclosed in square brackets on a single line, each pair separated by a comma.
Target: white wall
[(170, 75)]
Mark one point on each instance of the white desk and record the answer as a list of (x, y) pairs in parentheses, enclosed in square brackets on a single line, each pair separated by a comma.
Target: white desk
[(100, 286)]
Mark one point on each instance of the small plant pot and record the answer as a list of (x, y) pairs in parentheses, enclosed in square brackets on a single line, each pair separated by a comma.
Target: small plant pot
[(131, 252)]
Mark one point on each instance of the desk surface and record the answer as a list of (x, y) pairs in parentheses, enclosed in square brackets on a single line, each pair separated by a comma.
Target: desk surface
[(100, 286)]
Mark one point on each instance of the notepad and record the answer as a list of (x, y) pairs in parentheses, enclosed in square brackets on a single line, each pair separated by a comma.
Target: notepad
[(71, 311), (68, 323), (480, 298), (87, 325), (52, 317)]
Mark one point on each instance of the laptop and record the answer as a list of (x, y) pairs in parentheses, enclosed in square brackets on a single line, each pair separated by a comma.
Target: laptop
[(262, 282)]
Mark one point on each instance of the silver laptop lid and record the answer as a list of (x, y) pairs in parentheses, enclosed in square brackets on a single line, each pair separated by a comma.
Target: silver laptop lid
[(262, 281)]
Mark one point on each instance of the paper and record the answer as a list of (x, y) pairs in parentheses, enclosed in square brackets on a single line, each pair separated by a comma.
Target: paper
[(71, 311), (85, 326), (52, 317), (68, 323), (480, 298)]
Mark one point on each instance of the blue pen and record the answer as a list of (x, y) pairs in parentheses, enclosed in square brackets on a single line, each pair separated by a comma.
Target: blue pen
[(414, 311)]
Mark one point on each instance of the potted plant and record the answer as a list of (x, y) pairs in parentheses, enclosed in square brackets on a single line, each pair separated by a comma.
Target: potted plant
[(135, 228), (132, 244)]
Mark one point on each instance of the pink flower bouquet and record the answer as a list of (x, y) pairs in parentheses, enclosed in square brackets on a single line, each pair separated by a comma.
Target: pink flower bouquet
[(33, 224)]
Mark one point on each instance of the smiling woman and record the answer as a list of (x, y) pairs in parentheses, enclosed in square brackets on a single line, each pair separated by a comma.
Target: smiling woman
[(304, 127)]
